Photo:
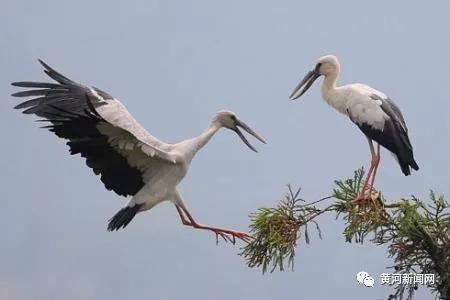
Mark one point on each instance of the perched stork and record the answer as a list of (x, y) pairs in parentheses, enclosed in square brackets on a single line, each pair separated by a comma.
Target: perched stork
[(378, 117), (130, 161)]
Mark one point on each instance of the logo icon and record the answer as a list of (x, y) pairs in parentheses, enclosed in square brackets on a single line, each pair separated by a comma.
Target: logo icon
[(364, 278)]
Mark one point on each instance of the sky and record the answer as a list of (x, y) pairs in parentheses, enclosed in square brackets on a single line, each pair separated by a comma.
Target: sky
[(173, 64)]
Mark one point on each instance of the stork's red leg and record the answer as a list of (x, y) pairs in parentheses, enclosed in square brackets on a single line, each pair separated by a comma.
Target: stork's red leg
[(377, 162), (183, 218), (226, 234), (361, 194)]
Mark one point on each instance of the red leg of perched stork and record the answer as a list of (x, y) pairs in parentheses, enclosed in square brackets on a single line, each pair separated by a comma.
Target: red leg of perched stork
[(373, 165), (377, 163)]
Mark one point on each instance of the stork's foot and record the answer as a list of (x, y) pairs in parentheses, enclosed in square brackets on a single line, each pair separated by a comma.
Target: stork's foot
[(364, 194), (367, 196), (242, 236), (227, 235)]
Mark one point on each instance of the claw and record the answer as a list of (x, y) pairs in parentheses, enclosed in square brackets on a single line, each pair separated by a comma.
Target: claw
[(230, 236), (222, 235)]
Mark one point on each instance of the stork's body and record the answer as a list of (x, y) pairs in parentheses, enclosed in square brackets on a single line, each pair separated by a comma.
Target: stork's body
[(377, 116), (129, 159)]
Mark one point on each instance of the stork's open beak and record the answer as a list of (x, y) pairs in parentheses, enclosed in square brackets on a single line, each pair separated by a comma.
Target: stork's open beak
[(244, 126), (305, 84)]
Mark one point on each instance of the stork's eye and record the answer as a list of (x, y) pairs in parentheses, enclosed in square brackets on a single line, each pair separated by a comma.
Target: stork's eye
[(233, 117)]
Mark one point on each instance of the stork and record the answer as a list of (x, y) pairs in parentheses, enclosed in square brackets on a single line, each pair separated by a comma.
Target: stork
[(376, 115), (129, 160)]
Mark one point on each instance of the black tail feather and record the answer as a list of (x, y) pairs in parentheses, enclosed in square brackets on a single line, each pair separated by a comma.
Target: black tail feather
[(414, 165), (405, 166), (123, 217)]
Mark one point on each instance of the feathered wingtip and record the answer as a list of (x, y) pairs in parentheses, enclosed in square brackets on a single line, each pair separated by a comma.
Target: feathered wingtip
[(44, 64), (42, 90), (32, 84), (52, 73), (55, 74), (123, 217)]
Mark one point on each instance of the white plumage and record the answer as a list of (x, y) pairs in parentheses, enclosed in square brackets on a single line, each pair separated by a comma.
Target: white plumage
[(354, 100), (378, 117), (128, 158)]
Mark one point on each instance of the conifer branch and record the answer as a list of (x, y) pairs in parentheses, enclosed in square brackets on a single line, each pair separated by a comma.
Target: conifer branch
[(417, 234)]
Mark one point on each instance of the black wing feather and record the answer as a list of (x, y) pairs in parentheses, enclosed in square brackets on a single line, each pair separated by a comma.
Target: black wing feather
[(394, 135), (32, 84), (67, 106)]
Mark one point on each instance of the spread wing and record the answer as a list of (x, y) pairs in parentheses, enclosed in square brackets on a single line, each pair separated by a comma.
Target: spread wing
[(99, 127)]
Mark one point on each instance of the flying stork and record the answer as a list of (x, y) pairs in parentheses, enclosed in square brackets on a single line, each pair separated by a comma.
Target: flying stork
[(130, 161), (376, 115)]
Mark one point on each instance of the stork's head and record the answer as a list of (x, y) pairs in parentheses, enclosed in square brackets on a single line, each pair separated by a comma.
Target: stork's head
[(228, 119), (327, 65)]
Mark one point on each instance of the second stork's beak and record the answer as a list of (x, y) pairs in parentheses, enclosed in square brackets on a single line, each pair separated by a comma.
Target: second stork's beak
[(305, 84), (244, 126)]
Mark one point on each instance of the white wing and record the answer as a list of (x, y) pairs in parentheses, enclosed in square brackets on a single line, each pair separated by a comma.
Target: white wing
[(362, 108)]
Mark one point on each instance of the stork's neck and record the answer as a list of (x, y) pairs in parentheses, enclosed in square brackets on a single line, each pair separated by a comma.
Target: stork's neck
[(329, 87), (332, 94), (329, 83), (200, 141)]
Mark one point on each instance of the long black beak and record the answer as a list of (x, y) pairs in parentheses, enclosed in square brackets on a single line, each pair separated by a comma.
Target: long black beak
[(305, 84), (250, 131)]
